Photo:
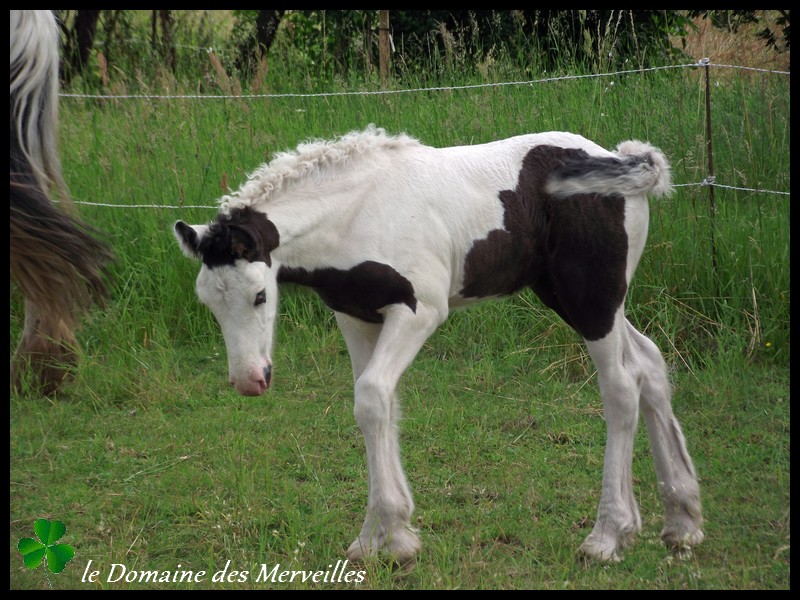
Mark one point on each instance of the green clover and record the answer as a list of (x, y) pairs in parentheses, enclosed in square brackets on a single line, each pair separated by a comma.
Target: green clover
[(57, 555)]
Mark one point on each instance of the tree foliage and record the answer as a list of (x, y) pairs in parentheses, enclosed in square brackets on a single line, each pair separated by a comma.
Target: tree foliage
[(325, 43), (732, 20)]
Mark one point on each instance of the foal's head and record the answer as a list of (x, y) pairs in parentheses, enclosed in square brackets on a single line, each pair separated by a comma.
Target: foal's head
[(238, 282)]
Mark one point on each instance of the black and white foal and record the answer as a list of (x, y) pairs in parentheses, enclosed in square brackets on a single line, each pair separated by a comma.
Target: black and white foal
[(394, 234)]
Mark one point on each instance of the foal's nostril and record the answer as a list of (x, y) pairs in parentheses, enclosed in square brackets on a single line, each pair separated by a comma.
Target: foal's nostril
[(267, 374)]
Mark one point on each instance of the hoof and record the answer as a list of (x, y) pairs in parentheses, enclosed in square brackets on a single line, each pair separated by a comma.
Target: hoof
[(44, 372), (681, 540), (603, 546), (590, 551), (399, 548)]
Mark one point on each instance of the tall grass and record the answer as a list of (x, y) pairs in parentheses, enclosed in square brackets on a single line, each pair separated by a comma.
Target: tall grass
[(189, 152), (152, 460)]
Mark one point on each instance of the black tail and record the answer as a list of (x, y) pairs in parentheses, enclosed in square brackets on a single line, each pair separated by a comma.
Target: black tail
[(635, 169)]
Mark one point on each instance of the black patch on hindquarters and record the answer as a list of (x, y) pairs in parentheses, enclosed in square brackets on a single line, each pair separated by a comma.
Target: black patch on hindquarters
[(359, 291), (571, 251), (244, 233)]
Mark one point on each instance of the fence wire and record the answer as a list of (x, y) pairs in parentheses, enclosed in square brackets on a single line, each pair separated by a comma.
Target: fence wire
[(702, 63)]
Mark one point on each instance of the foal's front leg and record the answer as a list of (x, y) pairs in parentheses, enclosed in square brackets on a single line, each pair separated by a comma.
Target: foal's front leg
[(387, 524)]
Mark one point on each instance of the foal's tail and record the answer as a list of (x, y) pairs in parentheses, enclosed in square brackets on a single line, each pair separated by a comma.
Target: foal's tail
[(57, 261), (636, 169)]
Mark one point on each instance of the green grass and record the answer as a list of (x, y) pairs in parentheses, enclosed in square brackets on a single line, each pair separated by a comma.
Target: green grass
[(504, 457), (151, 460)]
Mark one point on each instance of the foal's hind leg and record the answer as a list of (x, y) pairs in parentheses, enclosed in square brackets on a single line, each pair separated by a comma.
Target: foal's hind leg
[(47, 350), (676, 476), (618, 518), (380, 354)]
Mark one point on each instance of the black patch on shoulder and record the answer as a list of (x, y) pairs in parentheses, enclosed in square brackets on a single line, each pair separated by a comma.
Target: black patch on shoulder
[(359, 291), (571, 251), (245, 233)]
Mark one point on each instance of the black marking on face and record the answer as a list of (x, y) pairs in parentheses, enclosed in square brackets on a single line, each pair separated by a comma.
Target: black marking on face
[(359, 292), (571, 251), (245, 233)]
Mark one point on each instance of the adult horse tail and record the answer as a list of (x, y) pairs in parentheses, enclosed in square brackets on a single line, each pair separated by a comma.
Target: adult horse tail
[(634, 169), (56, 260)]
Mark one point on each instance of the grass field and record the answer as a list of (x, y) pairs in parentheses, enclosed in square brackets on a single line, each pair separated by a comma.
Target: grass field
[(152, 461)]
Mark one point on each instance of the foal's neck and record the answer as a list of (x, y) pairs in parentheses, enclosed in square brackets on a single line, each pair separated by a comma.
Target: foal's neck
[(311, 223)]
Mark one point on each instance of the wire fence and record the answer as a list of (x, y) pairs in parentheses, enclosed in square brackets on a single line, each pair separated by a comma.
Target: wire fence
[(700, 63), (705, 63)]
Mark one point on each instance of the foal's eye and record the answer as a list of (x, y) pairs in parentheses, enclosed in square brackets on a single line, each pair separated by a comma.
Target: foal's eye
[(261, 297)]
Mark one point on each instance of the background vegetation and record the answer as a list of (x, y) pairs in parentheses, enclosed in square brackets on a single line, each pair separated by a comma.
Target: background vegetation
[(151, 460), (331, 44)]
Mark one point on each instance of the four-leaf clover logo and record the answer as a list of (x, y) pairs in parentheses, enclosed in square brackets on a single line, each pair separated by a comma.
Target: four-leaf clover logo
[(56, 555)]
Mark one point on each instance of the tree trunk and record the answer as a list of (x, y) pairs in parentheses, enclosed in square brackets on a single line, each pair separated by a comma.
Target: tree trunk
[(266, 27), (167, 45), (82, 39)]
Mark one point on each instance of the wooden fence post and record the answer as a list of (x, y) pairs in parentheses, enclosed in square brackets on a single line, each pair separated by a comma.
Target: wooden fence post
[(710, 179), (383, 32)]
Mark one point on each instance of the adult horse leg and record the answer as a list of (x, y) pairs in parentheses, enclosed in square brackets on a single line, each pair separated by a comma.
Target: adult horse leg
[(380, 354), (677, 480), (48, 349), (60, 268)]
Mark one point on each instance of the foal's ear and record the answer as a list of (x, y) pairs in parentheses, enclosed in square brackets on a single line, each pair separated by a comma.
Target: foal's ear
[(243, 244), (188, 237)]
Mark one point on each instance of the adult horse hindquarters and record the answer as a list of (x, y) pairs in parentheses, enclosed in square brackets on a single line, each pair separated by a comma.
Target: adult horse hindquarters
[(393, 234), (55, 260)]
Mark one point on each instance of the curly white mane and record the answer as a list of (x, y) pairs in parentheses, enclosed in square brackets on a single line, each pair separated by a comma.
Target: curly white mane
[(308, 159)]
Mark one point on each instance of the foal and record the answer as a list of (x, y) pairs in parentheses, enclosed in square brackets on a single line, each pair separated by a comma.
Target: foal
[(393, 235), (55, 260)]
